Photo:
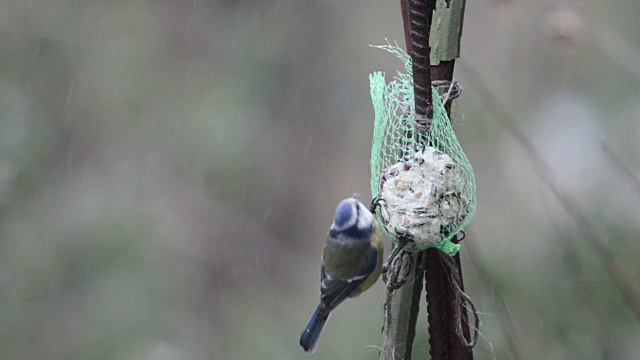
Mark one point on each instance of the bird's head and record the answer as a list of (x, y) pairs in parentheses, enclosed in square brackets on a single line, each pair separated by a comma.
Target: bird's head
[(353, 219)]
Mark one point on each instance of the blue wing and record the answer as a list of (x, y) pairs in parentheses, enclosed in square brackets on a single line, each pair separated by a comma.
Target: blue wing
[(334, 291)]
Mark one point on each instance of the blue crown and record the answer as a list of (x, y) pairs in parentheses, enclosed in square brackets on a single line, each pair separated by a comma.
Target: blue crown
[(344, 213)]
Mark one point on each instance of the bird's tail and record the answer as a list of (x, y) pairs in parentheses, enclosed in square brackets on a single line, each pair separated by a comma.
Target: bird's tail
[(311, 334)]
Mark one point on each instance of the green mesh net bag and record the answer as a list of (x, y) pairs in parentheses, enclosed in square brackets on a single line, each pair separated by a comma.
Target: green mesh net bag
[(425, 180)]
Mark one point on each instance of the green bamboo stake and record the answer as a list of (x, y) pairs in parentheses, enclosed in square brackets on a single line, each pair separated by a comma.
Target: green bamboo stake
[(402, 317)]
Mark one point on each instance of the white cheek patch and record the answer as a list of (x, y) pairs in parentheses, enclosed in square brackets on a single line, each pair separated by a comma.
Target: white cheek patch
[(366, 218)]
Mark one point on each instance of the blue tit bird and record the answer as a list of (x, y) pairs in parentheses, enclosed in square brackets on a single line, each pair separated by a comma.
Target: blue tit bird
[(351, 264)]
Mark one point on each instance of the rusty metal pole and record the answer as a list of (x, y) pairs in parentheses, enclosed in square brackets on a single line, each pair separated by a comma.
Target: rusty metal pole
[(444, 340)]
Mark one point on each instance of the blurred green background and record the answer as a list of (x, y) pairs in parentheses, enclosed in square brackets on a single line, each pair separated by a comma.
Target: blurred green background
[(168, 170)]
